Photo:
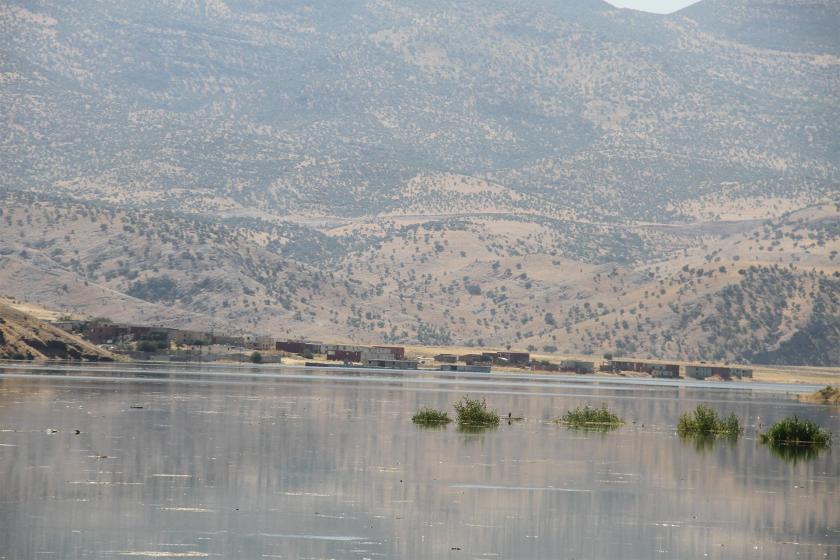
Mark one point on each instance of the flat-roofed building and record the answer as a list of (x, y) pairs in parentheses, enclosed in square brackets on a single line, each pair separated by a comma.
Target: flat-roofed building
[(740, 372), (578, 366), (465, 368), (671, 371), (446, 358), (398, 352), (344, 356), (390, 363), (698, 371)]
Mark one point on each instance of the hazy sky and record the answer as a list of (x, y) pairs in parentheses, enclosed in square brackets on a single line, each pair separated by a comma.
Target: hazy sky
[(658, 6)]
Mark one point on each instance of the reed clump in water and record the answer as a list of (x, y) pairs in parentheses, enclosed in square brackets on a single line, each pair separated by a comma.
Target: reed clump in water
[(796, 432), (475, 414), (590, 417), (704, 421), (428, 416)]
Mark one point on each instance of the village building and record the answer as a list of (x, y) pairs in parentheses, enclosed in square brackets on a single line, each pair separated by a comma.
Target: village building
[(390, 363), (332, 348), (465, 368), (107, 333), (189, 338), (668, 371), (470, 359), (578, 366), (651, 368), (376, 353), (235, 341), (298, 347), (517, 358), (698, 371), (344, 356), (543, 365), (398, 352), (258, 342)]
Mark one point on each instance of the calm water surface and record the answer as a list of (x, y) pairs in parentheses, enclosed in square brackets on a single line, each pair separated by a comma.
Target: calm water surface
[(281, 463)]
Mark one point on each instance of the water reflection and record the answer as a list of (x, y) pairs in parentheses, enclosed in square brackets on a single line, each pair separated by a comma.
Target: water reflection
[(602, 428), (796, 452), (316, 468), (430, 426), (704, 443), (472, 429)]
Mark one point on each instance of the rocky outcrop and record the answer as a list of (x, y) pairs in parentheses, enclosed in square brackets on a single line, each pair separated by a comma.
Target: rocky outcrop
[(24, 337)]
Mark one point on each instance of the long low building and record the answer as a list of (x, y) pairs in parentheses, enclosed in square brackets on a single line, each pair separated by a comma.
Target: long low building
[(578, 366), (651, 368), (446, 358), (390, 363), (344, 356), (701, 371), (473, 368), (298, 347)]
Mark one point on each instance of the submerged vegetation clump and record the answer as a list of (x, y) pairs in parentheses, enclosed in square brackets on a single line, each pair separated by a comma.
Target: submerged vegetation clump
[(704, 421), (590, 417), (428, 416), (827, 395), (796, 432), (473, 413)]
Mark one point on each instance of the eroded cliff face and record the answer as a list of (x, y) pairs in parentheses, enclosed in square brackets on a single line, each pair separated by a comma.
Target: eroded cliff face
[(24, 337)]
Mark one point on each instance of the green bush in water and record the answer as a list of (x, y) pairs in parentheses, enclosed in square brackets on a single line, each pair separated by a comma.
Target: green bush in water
[(705, 422), (796, 431), (474, 413), (431, 417), (590, 417)]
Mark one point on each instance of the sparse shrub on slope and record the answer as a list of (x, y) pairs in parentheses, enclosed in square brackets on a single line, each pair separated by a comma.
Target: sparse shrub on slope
[(162, 288)]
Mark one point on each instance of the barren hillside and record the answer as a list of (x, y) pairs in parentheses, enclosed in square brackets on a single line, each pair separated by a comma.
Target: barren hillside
[(752, 290), (553, 175)]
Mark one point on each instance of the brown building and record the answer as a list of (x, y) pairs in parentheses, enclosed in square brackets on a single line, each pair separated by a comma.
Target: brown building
[(470, 359), (190, 338), (228, 340), (578, 366), (398, 352), (344, 356), (671, 371), (544, 366), (519, 358), (446, 358), (298, 347), (106, 333)]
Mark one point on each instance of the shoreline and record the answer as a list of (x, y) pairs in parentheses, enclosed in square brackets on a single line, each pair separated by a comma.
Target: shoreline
[(29, 370)]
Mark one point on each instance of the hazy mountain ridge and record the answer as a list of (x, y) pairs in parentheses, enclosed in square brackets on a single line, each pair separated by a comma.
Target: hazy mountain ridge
[(253, 101)]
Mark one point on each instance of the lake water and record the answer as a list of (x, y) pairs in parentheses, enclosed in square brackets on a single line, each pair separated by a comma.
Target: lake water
[(240, 463)]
